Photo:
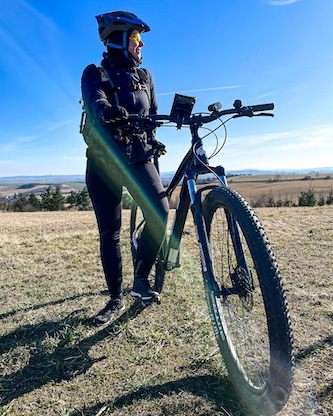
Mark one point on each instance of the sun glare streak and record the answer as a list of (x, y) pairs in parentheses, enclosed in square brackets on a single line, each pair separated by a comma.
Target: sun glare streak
[(108, 161)]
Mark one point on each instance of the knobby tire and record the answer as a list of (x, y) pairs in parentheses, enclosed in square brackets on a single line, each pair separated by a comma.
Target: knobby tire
[(253, 328)]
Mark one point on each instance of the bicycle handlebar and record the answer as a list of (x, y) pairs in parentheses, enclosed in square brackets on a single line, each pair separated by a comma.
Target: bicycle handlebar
[(239, 110)]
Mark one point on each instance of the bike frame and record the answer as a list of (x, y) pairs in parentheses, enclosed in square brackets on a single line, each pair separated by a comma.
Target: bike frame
[(190, 197), (196, 163)]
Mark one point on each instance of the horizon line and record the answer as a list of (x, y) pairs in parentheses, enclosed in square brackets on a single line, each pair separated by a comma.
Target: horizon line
[(171, 171)]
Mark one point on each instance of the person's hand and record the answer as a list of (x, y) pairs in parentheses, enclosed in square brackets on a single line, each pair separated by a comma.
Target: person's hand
[(115, 113), (158, 147)]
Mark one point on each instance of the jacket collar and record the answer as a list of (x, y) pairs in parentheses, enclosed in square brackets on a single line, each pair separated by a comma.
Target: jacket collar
[(127, 63)]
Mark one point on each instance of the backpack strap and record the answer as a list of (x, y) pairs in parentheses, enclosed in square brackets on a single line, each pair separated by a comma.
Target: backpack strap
[(144, 77), (106, 77)]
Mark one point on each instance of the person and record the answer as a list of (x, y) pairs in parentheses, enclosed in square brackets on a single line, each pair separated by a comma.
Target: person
[(110, 92)]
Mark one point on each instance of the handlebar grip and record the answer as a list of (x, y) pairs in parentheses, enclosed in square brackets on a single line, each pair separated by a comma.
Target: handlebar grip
[(262, 107)]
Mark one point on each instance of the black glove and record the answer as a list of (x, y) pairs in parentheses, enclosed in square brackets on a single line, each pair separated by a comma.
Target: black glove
[(115, 113), (158, 146)]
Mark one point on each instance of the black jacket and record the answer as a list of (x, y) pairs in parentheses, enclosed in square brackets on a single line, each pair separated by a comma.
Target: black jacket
[(134, 88)]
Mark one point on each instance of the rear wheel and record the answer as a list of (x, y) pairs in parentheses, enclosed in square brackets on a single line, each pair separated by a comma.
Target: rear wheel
[(137, 223), (250, 318)]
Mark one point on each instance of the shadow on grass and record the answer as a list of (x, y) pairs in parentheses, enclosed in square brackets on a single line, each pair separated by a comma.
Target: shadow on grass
[(306, 352), (56, 302), (327, 391), (215, 390), (49, 363)]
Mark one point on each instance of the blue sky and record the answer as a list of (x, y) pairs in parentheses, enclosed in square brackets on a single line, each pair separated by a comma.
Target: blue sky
[(255, 50)]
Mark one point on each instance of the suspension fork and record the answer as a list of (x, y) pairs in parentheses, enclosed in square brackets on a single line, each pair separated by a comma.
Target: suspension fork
[(233, 228), (200, 228), (205, 254)]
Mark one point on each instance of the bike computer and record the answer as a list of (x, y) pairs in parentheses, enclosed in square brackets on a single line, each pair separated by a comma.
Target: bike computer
[(182, 107)]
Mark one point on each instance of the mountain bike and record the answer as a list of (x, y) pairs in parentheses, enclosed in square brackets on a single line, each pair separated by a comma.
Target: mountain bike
[(242, 283)]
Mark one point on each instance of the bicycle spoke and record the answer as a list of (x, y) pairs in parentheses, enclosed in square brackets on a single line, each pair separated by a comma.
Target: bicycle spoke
[(247, 327)]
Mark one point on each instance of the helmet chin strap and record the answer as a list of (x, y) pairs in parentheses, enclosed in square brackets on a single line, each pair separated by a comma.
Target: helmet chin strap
[(122, 47)]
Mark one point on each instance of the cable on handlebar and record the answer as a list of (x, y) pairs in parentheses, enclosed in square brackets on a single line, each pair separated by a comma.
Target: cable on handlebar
[(203, 163), (224, 141), (223, 123), (216, 137)]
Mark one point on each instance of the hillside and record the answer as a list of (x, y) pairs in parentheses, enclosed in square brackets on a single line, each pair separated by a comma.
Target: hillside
[(250, 186), (11, 189), (253, 187)]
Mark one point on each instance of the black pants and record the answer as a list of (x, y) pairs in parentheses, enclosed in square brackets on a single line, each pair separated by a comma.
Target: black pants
[(144, 184)]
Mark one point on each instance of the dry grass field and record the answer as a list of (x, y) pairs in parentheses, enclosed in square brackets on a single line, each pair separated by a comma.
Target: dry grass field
[(290, 189), (161, 360), (277, 186)]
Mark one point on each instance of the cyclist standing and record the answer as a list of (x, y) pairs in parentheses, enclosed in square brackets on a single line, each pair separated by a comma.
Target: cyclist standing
[(110, 92)]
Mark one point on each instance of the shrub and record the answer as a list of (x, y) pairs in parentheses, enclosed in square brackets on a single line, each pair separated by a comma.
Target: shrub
[(321, 200), (262, 200), (307, 199), (83, 200), (79, 200), (329, 198), (34, 201), (52, 200)]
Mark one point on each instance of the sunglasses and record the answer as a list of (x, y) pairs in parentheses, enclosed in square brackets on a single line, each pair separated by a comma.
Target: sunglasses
[(136, 37)]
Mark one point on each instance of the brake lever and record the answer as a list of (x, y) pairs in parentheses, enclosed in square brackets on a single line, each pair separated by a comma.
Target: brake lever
[(264, 114), (244, 112), (251, 114)]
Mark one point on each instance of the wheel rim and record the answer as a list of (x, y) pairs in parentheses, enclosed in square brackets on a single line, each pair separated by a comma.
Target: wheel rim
[(243, 317)]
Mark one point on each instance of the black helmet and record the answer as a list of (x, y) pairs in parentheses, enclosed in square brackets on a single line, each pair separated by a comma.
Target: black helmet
[(118, 21)]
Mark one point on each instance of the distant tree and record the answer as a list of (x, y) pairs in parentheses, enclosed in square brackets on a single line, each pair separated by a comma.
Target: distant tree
[(321, 200), (83, 199), (34, 201), (307, 199), (72, 199), (3, 204), (20, 203), (79, 200), (52, 200), (329, 198), (57, 200), (270, 201), (279, 202), (46, 199), (262, 200), (288, 203)]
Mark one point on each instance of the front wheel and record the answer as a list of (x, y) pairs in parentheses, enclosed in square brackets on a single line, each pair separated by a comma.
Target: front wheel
[(250, 317), (137, 224)]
